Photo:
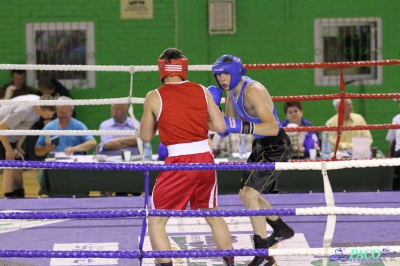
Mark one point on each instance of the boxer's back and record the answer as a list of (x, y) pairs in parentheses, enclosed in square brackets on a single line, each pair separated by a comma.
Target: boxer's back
[(183, 114)]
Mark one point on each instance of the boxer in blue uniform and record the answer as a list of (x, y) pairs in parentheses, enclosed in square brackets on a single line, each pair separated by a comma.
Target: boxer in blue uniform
[(250, 110)]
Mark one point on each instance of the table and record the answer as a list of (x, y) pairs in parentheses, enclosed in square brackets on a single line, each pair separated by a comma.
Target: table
[(79, 182)]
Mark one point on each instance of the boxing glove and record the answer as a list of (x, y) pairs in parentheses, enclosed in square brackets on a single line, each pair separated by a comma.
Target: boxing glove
[(235, 125), (216, 94)]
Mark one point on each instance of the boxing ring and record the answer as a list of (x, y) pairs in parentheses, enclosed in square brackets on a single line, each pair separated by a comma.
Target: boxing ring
[(331, 228)]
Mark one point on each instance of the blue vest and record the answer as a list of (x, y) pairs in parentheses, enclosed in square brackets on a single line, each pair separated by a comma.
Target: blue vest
[(238, 105)]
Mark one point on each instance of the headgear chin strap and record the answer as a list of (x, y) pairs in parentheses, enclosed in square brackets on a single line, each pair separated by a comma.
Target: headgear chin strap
[(234, 68), (172, 67)]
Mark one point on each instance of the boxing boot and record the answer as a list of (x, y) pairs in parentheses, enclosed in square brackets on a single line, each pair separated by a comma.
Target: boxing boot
[(261, 261), (281, 232), (9, 195), (229, 261), (19, 193)]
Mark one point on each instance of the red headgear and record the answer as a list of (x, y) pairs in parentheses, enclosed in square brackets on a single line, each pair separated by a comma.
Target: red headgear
[(172, 67)]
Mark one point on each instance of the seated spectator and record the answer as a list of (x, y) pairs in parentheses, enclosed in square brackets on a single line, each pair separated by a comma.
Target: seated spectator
[(349, 119), (68, 144), (113, 144), (55, 89), (294, 115), (18, 117), (16, 87), (393, 136)]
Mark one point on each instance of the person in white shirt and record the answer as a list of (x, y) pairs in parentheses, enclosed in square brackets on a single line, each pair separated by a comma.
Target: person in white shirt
[(393, 136), (18, 117)]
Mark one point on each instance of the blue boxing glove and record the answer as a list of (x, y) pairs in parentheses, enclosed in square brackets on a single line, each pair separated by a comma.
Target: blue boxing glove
[(216, 94), (235, 125)]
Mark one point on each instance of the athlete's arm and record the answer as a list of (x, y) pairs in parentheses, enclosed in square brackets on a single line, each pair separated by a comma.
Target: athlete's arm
[(215, 121), (148, 125), (258, 103)]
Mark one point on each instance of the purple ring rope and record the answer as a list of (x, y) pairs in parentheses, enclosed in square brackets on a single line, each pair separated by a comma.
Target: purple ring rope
[(134, 166), (142, 213), (132, 213), (69, 254), (132, 254)]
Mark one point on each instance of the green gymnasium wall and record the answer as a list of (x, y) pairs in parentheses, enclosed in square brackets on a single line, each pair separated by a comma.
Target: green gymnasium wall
[(274, 31)]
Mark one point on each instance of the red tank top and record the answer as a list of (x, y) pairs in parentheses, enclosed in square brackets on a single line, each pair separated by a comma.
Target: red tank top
[(183, 114)]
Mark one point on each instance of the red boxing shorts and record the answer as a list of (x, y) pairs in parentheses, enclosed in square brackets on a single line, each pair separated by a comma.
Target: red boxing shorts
[(173, 190)]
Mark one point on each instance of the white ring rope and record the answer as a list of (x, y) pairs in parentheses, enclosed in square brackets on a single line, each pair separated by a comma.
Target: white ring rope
[(333, 210), (95, 68), (330, 202), (126, 100), (132, 115), (325, 251), (65, 132), (333, 165)]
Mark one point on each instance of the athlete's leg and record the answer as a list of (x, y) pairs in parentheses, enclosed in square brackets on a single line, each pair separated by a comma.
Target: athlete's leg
[(250, 198), (220, 231), (266, 205), (158, 236), (221, 235)]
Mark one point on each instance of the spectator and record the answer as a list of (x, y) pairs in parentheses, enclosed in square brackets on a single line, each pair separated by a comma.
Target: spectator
[(17, 87), (393, 136), (55, 89), (68, 144), (294, 115), (349, 119), (18, 117), (112, 144)]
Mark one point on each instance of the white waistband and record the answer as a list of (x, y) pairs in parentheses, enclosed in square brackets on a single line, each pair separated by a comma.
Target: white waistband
[(188, 148)]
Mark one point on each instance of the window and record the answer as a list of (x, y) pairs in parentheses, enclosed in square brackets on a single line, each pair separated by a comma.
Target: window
[(221, 17), (344, 40), (61, 43)]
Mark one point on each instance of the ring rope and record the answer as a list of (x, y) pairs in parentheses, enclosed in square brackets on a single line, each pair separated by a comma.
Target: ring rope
[(310, 211), (161, 166), (32, 132), (124, 100), (330, 202), (131, 132), (185, 253), (200, 67), (323, 165), (137, 100), (336, 96)]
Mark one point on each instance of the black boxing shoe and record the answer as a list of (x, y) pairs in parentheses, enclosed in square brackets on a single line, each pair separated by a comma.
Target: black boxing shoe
[(258, 260), (262, 261), (281, 232)]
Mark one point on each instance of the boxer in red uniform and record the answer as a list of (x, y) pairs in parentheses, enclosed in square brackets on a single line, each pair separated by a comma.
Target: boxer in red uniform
[(183, 112)]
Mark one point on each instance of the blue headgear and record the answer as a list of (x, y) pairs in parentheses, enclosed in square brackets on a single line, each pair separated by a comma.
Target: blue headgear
[(234, 68)]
